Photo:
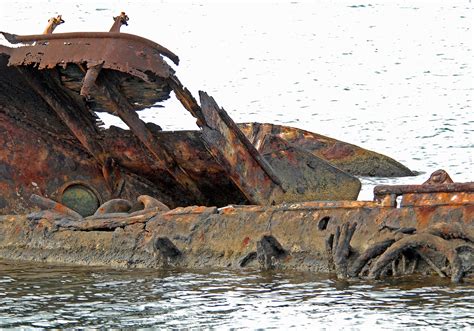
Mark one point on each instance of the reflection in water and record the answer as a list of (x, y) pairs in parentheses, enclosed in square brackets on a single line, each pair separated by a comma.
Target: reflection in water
[(57, 296)]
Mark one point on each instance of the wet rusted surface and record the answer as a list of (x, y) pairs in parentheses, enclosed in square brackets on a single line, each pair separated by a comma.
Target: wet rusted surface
[(428, 194), (350, 158), (350, 238), (306, 175), (244, 165), (104, 195)]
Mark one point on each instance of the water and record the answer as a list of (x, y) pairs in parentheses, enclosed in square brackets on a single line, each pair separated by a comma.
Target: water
[(61, 297), (393, 76)]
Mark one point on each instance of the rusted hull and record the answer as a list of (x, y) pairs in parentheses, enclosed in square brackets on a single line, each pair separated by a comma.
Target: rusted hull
[(291, 236), (105, 195), (50, 90), (40, 156)]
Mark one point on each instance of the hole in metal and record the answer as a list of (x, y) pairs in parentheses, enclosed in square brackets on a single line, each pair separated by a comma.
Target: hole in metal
[(323, 223)]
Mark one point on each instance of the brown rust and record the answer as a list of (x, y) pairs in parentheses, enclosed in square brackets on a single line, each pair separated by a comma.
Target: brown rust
[(84, 38), (305, 176), (119, 20), (272, 237), (428, 194), (347, 157), (121, 107), (245, 166), (93, 71), (439, 177), (77, 118)]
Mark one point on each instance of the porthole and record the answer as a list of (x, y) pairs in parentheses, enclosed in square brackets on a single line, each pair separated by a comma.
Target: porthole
[(80, 197)]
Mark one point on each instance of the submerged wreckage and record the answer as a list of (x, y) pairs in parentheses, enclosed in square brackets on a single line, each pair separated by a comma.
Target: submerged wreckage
[(242, 195)]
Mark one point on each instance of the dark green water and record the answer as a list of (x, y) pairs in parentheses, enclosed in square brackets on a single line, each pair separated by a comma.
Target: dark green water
[(51, 296)]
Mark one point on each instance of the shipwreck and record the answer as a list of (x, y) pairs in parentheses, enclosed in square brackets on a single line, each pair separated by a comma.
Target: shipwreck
[(247, 195)]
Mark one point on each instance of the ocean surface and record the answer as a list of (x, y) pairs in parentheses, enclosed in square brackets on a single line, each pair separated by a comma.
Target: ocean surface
[(391, 76), (49, 296)]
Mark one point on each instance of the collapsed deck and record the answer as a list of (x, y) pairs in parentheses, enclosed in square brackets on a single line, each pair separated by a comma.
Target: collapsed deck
[(52, 86)]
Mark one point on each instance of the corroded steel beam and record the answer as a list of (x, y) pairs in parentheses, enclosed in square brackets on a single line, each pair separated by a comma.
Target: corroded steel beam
[(162, 157), (93, 71), (247, 168), (427, 194), (187, 100), (423, 188)]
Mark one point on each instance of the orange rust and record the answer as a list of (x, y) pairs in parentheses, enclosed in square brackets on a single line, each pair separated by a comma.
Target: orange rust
[(469, 214), (245, 243), (450, 198), (227, 210), (199, 209), (331, 205), (424, 215)]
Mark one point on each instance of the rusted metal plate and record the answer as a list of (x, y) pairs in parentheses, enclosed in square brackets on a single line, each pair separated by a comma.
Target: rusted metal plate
[(118, 51), (347, 157), (305, 176), (244, 165)]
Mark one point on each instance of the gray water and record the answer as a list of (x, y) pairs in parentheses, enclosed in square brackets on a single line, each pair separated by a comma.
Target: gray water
[(48, 296), (391, 76)]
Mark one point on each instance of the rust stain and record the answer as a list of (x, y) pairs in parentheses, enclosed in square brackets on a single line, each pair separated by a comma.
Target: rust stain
[(338, 151), (424, 215), (245, 243)]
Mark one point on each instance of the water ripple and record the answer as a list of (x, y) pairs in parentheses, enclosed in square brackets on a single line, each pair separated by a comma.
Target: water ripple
[(36, 296)]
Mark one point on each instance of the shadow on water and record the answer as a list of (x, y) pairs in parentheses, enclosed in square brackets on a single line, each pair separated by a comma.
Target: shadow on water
[(41, 295)]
